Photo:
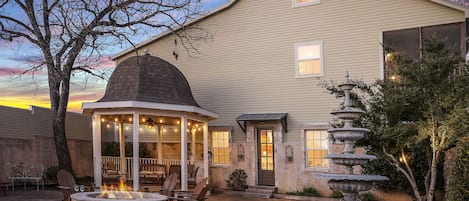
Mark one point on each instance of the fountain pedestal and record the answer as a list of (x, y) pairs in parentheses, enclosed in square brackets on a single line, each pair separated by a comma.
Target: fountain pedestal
[(349, 184)]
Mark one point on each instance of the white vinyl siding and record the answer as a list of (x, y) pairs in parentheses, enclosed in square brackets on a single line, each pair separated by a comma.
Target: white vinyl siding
[(309, 59)]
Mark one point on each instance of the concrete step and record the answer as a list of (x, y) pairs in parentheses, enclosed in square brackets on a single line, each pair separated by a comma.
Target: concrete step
[(264, 191), (257, 195), (273, 188)]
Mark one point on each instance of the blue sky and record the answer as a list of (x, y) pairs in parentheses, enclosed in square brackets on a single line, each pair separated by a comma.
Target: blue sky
[(21, 90)]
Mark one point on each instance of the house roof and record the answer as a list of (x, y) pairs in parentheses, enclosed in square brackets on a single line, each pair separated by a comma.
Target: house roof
[(462, 5), (148, 79), (161, 35)]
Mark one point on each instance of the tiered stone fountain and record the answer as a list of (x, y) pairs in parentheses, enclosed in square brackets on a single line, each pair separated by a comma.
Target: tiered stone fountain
[(349, 184)]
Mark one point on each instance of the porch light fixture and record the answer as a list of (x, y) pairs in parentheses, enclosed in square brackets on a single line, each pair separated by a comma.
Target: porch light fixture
[(240, 152), (289, 154), (150, 123)]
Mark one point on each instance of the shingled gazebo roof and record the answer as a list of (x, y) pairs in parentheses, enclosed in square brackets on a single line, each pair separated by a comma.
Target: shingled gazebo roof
[(149, 79)]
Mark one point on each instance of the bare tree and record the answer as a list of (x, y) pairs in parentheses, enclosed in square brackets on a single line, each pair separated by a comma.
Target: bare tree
[(69, 33)]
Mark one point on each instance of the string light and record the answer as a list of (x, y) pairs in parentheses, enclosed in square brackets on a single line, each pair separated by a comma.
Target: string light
[(103, 120), (143, 120), (108, 126), (175, 130), (161, 121), (189, 123), (116, 119), (130, 118), (178, 122)]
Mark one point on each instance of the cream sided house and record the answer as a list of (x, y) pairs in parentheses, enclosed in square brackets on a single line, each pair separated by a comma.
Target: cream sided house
[(259, 74)]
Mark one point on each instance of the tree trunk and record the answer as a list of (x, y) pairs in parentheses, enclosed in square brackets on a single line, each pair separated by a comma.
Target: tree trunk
[(61, 146), (58, 124), (434, 169)]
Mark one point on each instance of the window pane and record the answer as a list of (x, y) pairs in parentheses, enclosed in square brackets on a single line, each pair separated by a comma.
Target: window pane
[(309, 52), (309, 135), (309, 67), (323, 144), (263, 163)]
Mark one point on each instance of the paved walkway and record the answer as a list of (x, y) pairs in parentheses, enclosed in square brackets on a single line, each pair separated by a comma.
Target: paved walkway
[(54, 195)]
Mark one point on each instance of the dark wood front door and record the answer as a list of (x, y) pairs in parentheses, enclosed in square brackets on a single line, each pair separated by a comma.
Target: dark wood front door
[(265, 159)]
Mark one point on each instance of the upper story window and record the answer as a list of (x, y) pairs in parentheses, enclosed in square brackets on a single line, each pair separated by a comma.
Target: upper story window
[(309, 59), (316, 149), (298, 3), (221, 147)]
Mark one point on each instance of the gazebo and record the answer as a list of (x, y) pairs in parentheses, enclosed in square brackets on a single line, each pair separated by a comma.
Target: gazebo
[(146, 92)]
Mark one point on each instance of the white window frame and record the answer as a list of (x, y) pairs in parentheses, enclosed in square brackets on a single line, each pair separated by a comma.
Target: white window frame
[(296, 5), (213, 152), (305, 147), (321, 49)]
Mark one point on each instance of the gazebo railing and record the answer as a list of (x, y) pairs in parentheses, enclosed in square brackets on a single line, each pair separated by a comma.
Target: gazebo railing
[(129, 161)]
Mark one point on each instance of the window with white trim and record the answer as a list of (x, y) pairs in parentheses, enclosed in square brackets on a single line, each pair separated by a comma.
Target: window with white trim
[(221, 147), (298, 3), (309, 59), (316, 148)]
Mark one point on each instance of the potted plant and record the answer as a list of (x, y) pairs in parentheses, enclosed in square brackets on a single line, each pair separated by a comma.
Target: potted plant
[(237, 180)]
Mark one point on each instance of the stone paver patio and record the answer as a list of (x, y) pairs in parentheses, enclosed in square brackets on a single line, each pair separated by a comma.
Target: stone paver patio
[(55, 195)]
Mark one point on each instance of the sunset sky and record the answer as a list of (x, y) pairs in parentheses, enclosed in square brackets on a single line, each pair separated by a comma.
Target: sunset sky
[(22, 90)]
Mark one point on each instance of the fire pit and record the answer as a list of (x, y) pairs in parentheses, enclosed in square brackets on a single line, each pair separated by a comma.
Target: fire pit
[(139, 196), (120, 193)]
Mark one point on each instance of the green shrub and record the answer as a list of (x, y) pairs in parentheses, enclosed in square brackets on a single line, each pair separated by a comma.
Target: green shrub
[(366, 196), (337, 194), (457, 173), (237, 180), (51, 174), (306, 191)]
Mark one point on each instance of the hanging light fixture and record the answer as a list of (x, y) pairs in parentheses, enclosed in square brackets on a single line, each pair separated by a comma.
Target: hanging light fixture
[(150, 123)]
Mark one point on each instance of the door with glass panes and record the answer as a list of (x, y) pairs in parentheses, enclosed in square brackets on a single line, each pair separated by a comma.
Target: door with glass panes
[(265, 159)]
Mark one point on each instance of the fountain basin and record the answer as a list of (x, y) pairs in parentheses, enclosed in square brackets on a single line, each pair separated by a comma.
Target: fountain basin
[(348, 133), (93, 196), (348, 113), (350, 159)]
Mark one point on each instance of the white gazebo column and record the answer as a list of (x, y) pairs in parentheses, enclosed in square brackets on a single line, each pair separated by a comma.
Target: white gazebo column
[(160, 145), (206, 150), (135, 143), (184, 153), (123, 167), (194, 131), (97, 150)]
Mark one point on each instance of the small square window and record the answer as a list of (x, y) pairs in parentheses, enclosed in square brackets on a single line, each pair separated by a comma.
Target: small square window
[(309, 59), (299, 3)]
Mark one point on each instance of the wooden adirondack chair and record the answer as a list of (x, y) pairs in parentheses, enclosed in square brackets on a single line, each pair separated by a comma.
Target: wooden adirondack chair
[(66, 183), (169, 185), (197, 194)]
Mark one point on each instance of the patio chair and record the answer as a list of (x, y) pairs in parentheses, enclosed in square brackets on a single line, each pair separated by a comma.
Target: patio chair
[(192, 176), (66, 183), (198, 194), (175, 169), (169, 185)]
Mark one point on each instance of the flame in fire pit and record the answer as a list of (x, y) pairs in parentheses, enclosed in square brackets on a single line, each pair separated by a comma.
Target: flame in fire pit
[(120, 192)]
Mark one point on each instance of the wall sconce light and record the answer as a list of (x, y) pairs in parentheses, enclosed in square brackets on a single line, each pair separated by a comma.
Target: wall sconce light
[(289, 154), (240, 152)]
